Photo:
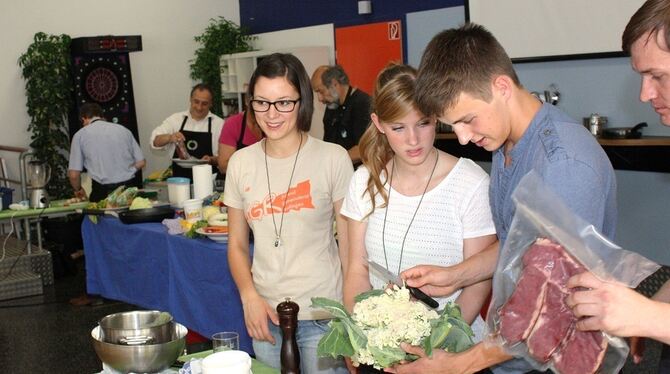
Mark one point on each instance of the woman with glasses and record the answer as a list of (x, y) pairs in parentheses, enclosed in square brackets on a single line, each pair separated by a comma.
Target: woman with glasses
[(288, 189)]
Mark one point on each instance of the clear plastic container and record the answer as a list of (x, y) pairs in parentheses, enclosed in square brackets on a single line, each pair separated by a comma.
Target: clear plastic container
[(179, 190)]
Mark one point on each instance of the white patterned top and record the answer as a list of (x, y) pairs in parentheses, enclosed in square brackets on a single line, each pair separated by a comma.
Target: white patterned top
[(456, 209)]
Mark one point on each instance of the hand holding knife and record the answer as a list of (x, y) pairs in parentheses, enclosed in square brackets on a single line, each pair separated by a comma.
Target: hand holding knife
[(395, 279)]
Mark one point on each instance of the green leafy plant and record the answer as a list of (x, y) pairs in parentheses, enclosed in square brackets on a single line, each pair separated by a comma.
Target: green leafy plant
[(370, 335), (219, 38), (46, 70)]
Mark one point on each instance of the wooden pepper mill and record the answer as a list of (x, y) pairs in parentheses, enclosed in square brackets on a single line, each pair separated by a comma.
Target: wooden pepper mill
[(288, 322)]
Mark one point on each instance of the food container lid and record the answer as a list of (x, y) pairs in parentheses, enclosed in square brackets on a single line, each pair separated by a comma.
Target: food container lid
[(179, 180)]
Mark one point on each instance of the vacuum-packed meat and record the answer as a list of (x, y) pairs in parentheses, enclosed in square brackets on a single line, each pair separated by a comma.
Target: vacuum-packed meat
[(581, 353), (519, 313), (536, 312)]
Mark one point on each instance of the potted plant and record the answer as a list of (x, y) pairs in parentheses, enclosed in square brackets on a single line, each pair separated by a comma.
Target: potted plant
[(219, 38), (46, 70)]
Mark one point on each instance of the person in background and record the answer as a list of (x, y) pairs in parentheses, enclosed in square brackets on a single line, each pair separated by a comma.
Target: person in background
[(238, 132), (110, 155), (405, 195), (197, 129), (288, 189), (347, 108), (607, 306), (467, 80), (108, 151)]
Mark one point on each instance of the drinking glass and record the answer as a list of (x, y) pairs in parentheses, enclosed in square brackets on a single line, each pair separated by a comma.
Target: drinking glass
[(225, 341)]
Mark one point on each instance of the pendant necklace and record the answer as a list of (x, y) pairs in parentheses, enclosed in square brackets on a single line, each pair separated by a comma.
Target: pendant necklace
[(402, 247), (278, 242)]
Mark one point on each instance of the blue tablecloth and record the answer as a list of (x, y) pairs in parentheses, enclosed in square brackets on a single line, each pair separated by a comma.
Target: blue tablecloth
[(143, 265)]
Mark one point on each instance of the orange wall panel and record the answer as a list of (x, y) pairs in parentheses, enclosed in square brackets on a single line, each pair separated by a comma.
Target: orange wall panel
[(365, 49)]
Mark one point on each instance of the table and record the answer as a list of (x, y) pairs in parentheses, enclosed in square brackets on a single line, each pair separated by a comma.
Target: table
[(46, 212), (26, 215), (257, 367), (143, 265)]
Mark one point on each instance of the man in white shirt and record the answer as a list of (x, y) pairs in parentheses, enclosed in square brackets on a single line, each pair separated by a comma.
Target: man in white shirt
[(197, 128)]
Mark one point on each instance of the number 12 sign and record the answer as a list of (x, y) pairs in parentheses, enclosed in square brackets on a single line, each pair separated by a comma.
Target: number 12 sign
[(394, 30)]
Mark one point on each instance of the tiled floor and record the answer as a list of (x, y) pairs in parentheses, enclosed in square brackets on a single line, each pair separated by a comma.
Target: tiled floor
[(45, 334)]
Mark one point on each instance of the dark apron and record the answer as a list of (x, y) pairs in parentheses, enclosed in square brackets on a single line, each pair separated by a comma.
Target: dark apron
[(240, 139), (238, 145), (198, 144), (100, 191)]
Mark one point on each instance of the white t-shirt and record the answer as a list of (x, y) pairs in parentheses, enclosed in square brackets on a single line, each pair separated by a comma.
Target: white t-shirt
[(456, 209), (307, 264), (173, 123)]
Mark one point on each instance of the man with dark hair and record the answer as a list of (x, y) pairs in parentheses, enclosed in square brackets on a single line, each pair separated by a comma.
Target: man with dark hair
[(606, 306), (111, 156), (347, 108), (107, 151), (197, 129), (467, 81)]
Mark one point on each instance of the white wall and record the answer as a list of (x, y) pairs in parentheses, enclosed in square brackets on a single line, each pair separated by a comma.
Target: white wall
[(160, 72), (312, 36)]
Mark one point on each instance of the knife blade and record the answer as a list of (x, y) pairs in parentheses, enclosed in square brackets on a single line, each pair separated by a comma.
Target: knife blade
[(387, 276)]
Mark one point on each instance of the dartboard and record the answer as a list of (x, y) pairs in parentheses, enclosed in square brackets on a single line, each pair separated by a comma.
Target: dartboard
[(102, 84), (104, 79)]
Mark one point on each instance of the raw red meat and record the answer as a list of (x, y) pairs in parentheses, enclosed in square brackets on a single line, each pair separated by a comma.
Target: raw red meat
[(551, 326), (582, 352), (536, 312), (519, 313), (555, 317)]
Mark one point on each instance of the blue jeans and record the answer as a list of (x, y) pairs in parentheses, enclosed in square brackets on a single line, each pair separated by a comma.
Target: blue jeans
[(308, 335)]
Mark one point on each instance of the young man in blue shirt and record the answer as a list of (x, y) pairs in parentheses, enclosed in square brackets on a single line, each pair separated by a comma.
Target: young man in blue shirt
[(467, 80)]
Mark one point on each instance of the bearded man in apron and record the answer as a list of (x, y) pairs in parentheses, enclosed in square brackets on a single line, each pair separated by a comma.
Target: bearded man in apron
[(197, 128)]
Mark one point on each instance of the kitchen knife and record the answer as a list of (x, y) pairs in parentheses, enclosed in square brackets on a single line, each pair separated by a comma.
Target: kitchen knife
[(390, 277)]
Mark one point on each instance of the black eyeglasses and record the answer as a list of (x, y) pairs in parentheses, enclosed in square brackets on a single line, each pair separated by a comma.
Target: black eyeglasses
[(282, 106)]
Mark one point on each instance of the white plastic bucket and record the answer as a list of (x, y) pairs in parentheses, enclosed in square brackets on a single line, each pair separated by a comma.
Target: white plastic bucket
[(193, 210), (179, 190), (227, 362)]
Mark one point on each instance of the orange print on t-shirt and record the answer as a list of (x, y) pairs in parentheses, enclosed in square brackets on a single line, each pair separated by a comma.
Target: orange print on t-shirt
[(297, 198)]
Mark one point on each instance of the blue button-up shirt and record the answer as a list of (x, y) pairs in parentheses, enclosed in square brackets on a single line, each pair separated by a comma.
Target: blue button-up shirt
[(570, 162)]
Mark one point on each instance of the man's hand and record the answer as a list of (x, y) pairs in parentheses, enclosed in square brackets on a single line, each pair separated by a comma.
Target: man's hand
[(80, 193), (605, 306), (177, 137), (441, 362), (212, 160), (433, 280)]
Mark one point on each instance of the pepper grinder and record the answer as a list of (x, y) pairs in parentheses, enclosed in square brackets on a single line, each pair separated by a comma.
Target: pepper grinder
[(288, 322)]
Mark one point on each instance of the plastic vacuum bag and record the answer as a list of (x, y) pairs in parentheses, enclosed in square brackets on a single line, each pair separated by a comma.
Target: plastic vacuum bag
[(541, 214)]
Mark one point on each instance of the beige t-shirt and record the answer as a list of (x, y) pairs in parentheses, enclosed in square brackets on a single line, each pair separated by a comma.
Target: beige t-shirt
[(307, 263)]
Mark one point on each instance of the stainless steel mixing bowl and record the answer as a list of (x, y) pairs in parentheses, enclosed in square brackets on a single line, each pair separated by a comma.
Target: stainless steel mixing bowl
[(137, 327), (148, 358)]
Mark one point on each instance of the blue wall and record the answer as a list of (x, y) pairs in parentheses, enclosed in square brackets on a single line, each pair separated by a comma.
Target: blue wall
[(271, 15)]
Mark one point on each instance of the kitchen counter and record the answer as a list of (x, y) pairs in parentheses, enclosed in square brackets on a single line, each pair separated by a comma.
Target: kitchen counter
[(649, 153)]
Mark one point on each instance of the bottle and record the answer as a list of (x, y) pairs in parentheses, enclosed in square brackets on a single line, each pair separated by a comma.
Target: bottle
[(182, 152), (288, 322)]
